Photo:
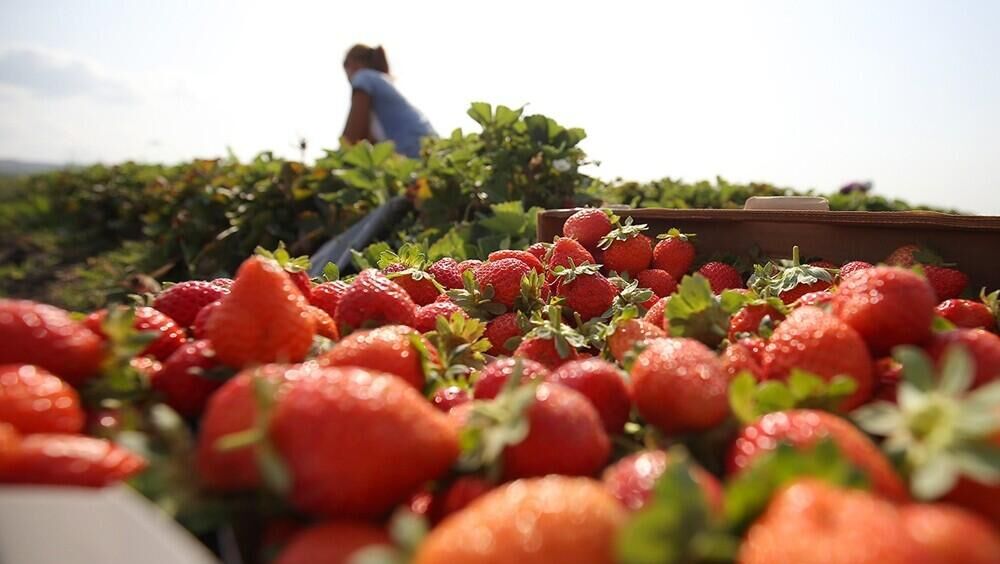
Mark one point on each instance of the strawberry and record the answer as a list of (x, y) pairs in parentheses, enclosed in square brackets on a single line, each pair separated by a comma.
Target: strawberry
[(802, 428), (789, 279), (343, 433), (659, 281), (66, 460), (457, 496), (501, 329), (565, 250), (819, 343), (417, 283), (447, 398), (545, 352), (541, 251), (46, 336), (947, 533), (887, 373), (373, 300), (630, 333), (632, 480), (967, 313), (334, 542), (811, 521), (325, 327), (182, 301), (493, 377), (297, 268), (447, 273), (657, 314), (327, 295), (674, 253), (530, 522), (588, 226), (224, 283), (201, 320), (523, 256), (427, 316), (390, 349), (982, 345), (747, 321), (887, 306), (186, 380), (905, 256), (471, 264), (169, 336), (626, 249), (35, 401), (948, 283), (721, 276), (586, 291), (819, 299), (853, 266), (679, 385), (504, 276), (263, 318), (603, 384), (738, 357)]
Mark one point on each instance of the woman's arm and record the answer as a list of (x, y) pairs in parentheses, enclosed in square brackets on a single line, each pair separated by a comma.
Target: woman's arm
[(359, 118)]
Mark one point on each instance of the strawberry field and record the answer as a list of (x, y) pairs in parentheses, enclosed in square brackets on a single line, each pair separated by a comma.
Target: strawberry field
[(616, 395)]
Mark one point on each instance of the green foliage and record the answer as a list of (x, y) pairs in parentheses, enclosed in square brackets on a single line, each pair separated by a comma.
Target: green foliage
[(750, 400)]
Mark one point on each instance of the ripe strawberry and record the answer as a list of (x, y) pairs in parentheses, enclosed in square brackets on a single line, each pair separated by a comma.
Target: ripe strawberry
[(327, 295), (447, 273), (457, 496), (633, 254), (224, 283), (603, 384), (505, 277), (263, 318), (819, 343), (343, 433), (811, 521), (201, 320), (566, 250), (35, 401), (66, 460), (297, 268), (185, 380), (169, 336), (887, 373), (887, 306), (325, 327), (854, 266), (541, 251), (632, 480), (674, 253), (531, 522), (967, 313), (501, 329), (659, 281), (46, 336), (586, 291), (630, 333), (737, 358), (789, 280), (905, 256), (803, 428), (427, 315), (373, 300), (418, 284), (523, 256), (334, 542), (819, 299), (747, 320), (182, 301), (982, 345), (948, 283), (947, 533), (657, 314), (588, 226), (471, 264), (387, 349), (721, 276), (544, 352), (493, 377), (447, 398), (679, 385), (824, 264)]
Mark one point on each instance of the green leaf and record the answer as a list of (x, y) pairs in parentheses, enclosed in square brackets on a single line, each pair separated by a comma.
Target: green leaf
[(331, 273), (741, 397), (934, 478), (942, 325), (956, 371), (694, 312), (481, 113), (917, 367), (878, 418), (382, 152)]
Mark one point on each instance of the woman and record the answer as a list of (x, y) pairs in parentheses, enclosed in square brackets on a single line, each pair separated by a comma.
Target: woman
[(378, 111)]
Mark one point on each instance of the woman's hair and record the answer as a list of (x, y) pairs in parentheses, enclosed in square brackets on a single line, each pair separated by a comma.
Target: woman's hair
[(368, 57)]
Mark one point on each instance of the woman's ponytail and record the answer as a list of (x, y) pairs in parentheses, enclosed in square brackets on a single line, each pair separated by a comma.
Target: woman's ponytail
[(368, 57), (378, 60)]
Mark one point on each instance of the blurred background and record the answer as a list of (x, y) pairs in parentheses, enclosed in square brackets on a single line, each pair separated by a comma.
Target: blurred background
[(810, 95)]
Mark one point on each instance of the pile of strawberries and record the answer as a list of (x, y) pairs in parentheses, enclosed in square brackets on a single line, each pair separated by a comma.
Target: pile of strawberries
[(596, 399)]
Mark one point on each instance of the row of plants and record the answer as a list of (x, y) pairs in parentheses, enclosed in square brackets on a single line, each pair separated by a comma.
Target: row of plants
[(83, 237)]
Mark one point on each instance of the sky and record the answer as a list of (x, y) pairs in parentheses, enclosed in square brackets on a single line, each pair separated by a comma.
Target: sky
[(815, 94)]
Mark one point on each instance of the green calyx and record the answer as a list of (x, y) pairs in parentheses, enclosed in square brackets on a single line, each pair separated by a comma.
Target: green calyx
[(460, 345), (626, 230), (286, 261), (629, 295), (574, 271), (750, 400), (477, 302), (773, 279), (119, 380), (409, 255), (694, 311), (992, 302), (940, 430), (674, 233), (547, 324)]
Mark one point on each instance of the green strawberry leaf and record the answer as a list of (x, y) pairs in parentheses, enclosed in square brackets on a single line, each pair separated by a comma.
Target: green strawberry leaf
[(750, 400), (331, 273), (695, 312)]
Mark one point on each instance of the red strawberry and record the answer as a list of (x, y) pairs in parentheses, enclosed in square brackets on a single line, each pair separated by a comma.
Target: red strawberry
[(588, 226), (201, 320), (854, 266), (471, 264), (628, 334), (447, 398), (46, 336), (565, 436), (738, 358), (811, 521), (182, 302), (948, 283), (632, 480), (748, 319), (632, 255), (185, 380), (493, 377), (501, 329), (566, 250), (982, 345), (418, 284), (824, 264), (721, 276), (603, 384), (819, 299), (169, 336), (544, 352), (334, 542), (343, 433), (297, 268), (263, 318), (674, 253), (523, 256), (457, 496), (888, 374), (427, 315), (657, 314), (905, 256), (587, 291), (66, 460), (887, 306), (325, 327), (679, 385), (224, 283), (541, 251), (35, 401), (388, 349), (504, 276), (447, 273), (659, 281), (327, 295), (947, 533), (373, 300), (803, 428), (967, 313)]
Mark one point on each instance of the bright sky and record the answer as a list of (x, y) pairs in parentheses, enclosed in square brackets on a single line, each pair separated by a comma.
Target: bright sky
[(806, 94)]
